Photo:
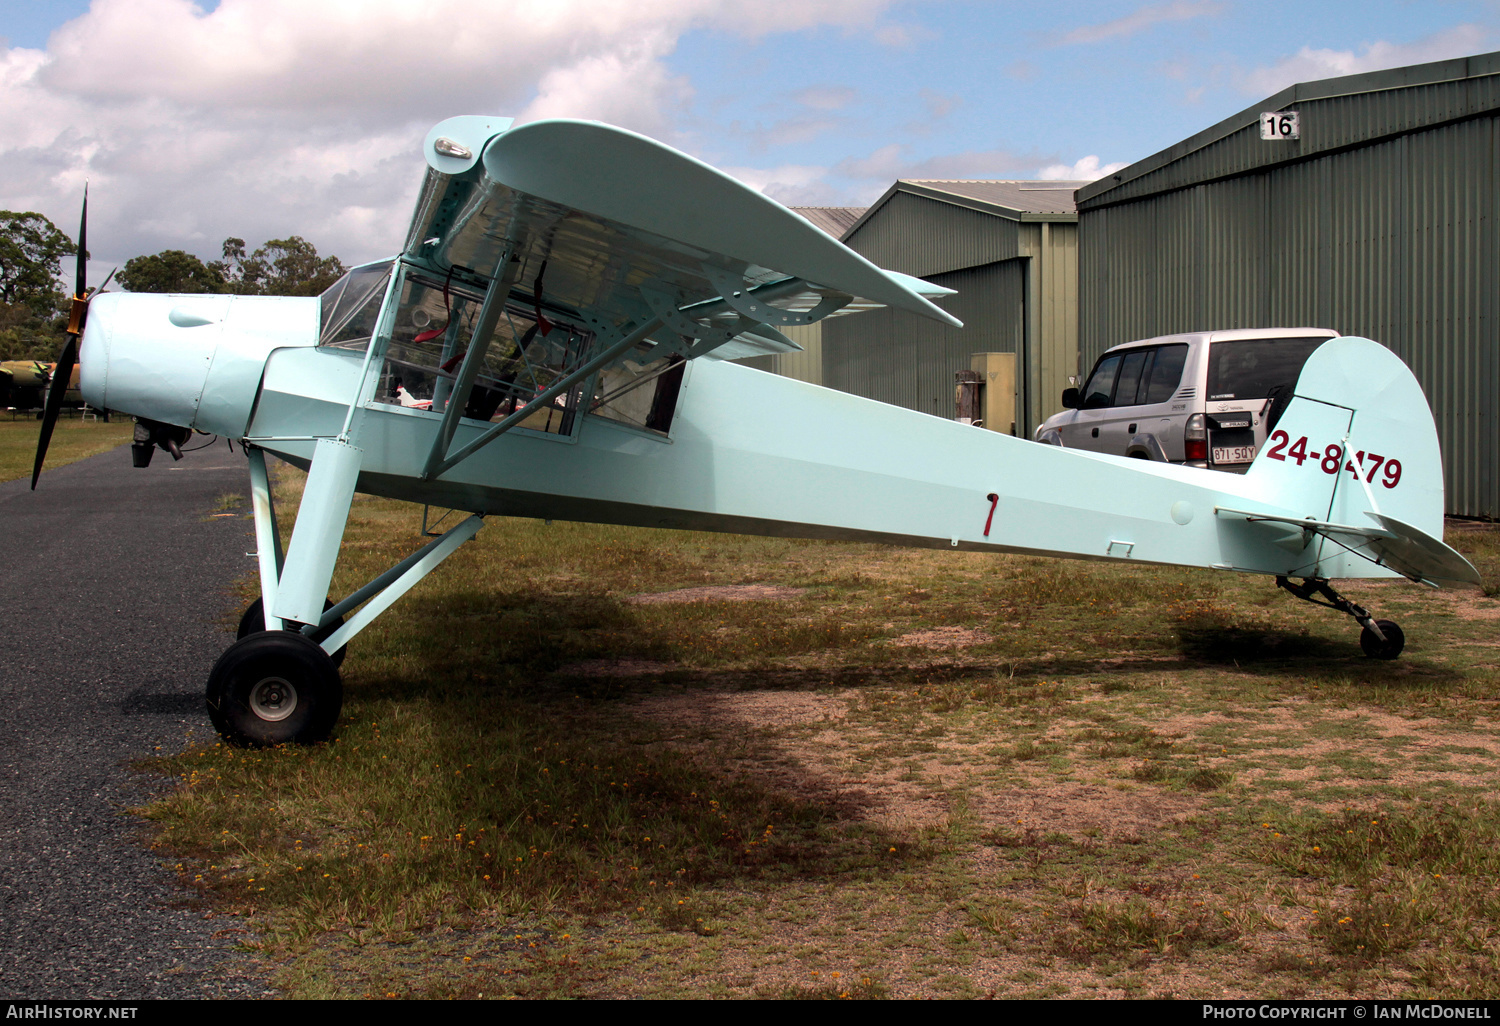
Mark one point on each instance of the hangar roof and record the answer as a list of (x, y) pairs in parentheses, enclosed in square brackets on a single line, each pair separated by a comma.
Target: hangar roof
[(1336, 114), (833, 220), (1011, 199)]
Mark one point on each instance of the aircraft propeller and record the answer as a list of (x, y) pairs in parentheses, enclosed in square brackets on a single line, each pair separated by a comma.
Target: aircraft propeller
[(63, 373)]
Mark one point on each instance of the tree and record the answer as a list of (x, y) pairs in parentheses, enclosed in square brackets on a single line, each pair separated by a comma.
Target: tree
[(171, 270), (282, 267), (31, 252)]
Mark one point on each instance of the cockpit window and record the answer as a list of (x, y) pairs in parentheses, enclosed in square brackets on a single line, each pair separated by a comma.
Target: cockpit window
[(351, 306), (433, 329), (432, 332)]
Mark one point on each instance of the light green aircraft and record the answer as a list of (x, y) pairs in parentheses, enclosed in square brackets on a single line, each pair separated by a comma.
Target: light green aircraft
[(551, 343)]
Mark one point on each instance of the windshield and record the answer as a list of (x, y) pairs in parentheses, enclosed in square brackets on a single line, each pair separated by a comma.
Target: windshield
[(1251, 368), (351, 306)]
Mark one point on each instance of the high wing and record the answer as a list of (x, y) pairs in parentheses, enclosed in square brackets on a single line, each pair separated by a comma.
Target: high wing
[(610, 229)]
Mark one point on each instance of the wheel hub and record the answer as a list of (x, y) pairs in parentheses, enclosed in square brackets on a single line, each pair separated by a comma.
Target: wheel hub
[(273, 699)]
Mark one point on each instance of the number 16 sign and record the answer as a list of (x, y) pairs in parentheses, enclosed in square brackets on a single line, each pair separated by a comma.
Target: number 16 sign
[(1280, 124)]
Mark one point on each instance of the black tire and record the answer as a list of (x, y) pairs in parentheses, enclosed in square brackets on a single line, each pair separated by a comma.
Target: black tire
[(1390, 648), (274, 688), (253, 621)]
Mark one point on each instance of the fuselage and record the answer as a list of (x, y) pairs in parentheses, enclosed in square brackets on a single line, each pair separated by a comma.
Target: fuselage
[(747, 452)]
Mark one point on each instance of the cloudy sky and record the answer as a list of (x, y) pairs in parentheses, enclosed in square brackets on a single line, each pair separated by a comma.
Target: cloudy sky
[(267, 118)]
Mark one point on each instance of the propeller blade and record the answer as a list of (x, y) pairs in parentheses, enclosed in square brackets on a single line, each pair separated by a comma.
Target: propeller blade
[(62, 374), (55, 391), (80, 271)]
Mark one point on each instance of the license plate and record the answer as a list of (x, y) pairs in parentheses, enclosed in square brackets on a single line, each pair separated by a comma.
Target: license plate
[(1234, 453)]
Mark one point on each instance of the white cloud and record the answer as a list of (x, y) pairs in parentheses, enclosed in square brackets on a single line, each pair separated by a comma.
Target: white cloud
[(1084, 170), (1310, 65), (1141, 18), (265, 118), (786, 176), (903, 36)]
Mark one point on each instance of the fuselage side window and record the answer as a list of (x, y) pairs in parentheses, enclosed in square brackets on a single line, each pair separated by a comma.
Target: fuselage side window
[(640, 392)]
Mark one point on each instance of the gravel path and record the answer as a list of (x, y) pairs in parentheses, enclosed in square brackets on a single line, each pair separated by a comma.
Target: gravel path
[(114, 604)]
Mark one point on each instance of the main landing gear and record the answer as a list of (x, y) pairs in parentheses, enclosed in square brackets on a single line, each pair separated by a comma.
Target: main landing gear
[(1380, 639), (276, 687), (282, 686), (272, 688)]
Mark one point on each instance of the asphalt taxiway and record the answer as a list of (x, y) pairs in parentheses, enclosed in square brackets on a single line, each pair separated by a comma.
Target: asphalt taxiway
[(115, 600)]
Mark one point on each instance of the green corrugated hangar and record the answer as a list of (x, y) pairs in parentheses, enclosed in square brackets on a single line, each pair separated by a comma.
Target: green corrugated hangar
[(1010, 250), (1379, 220)]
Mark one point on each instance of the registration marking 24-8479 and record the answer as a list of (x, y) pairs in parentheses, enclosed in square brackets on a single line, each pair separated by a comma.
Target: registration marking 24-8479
[(1329, 458)]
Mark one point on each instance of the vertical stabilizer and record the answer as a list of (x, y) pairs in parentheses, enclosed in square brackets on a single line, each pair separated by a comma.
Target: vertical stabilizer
[(1356, 444)]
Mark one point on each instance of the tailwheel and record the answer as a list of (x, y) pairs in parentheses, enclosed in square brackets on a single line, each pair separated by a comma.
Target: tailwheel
[(1380, 639), (254, 619), (1388, 647), (272, 688)]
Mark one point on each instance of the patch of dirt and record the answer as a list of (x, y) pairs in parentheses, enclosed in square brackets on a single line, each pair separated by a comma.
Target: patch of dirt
[(803, 742), (943, 637), (746, 708), (1419, 737), (1471, 604), (1084, 810), (720, 593)]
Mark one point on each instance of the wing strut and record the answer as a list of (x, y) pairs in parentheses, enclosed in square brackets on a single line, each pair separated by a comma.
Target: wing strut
[(438, 463), (463, 387)]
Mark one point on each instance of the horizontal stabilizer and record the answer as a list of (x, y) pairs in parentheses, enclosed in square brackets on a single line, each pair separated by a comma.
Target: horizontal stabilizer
[(1405, 549), (1419, 555)]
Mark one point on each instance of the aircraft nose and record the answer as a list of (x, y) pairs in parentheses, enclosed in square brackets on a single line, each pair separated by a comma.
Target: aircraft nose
[(136, 358), (192, 361)]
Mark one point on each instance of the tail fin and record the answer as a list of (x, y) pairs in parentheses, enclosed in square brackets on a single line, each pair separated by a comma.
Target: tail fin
[(1357, 449)]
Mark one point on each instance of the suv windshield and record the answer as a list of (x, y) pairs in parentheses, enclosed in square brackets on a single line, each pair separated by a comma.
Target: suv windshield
[(1251, 368)]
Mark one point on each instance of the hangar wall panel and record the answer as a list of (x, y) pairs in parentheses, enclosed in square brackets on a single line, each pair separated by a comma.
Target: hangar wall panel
[(921, 236), (899, 358), (804, 366)]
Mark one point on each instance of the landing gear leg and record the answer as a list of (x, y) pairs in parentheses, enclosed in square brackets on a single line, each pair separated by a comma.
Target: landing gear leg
[(279, 683), (254, 621), (1380, 639)]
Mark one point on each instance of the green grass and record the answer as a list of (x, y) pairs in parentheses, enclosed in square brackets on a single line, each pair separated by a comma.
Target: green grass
[(72, 439), (1146, 782)]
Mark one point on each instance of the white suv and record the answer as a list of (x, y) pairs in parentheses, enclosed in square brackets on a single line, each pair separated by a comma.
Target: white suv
[(1207, 399)]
